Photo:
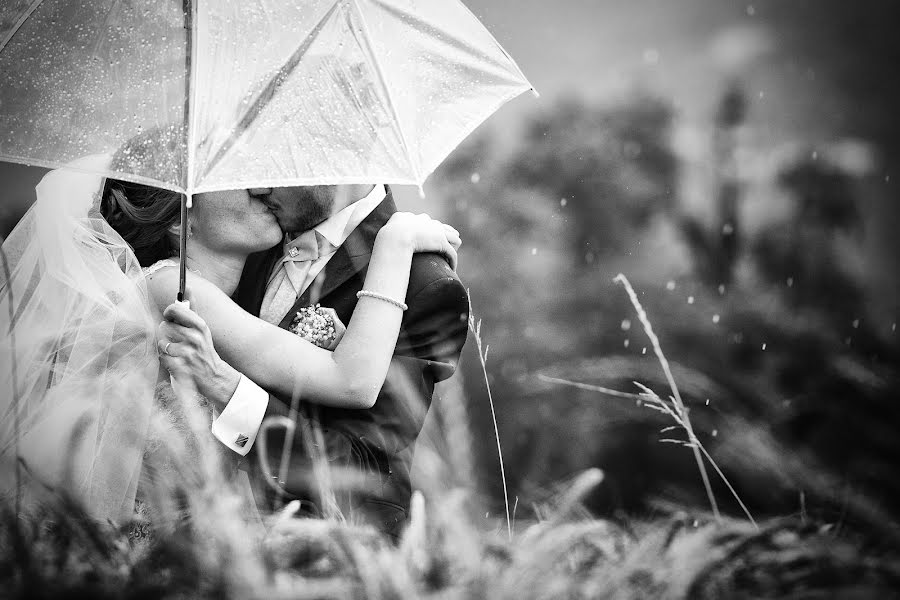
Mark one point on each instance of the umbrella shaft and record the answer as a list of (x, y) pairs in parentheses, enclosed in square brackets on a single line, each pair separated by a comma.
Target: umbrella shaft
[(182, 251)]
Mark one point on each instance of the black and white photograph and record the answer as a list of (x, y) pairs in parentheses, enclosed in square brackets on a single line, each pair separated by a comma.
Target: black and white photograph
[(449, 299)]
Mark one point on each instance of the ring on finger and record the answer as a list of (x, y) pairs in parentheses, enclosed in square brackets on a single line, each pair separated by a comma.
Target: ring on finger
[(166, 348)]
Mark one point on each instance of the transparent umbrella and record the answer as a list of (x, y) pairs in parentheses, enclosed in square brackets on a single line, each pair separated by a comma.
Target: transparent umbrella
[(256, 93)]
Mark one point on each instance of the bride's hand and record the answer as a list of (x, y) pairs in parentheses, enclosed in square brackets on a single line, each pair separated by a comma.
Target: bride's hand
[(421, 233), (186, 350)]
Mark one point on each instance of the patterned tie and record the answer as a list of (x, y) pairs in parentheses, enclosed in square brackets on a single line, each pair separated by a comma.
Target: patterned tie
[(289, 280)]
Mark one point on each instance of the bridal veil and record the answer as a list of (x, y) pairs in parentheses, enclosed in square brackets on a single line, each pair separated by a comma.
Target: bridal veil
[(78, 359)]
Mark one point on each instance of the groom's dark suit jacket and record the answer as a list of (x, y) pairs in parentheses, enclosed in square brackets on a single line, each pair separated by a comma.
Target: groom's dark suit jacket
[(433, 331)]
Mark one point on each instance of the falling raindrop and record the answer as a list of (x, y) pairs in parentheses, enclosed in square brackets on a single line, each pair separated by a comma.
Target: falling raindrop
[(790, 282), (534, 251), (670, 285), (715, 432), (475, 178), (721, 289), (855, 323), (764, 346), (651, 56), (563, 202), (690, 300), (715, 319), (707, 401), (626, 324), (627, 343), (644, 350), (751, 10)]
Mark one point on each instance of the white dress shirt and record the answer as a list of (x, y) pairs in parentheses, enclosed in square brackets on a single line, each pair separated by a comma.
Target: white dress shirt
[(306, 255), (304, 259)]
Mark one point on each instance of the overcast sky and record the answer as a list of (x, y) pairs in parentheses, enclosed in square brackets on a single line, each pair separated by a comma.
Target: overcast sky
[(679, 48)]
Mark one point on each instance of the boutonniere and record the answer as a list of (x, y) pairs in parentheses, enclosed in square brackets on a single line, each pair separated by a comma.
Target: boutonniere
[(318, 325)]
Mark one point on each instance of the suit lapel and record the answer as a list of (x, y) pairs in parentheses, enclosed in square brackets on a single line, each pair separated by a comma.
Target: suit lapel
[(252, 287), (351, 258)]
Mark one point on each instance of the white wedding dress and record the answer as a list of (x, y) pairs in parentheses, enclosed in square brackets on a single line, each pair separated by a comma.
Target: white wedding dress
[(78, 357), (83, 406)]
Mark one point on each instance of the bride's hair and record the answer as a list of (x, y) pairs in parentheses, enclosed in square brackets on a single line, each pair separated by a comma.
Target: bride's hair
[(143, 216)]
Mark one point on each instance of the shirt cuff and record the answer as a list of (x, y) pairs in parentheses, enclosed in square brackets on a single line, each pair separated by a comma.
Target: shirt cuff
[(240, 420)]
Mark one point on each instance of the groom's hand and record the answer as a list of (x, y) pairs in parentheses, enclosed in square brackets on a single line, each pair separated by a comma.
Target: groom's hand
[(187, 351)]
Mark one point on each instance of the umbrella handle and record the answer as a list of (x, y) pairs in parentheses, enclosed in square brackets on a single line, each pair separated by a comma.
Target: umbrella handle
[(182, 251)]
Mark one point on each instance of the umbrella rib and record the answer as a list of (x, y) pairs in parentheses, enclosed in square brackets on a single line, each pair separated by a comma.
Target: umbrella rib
[(266, 95), (190, 91), (109, 12), (387, 92), (19, 23), (499, 46)]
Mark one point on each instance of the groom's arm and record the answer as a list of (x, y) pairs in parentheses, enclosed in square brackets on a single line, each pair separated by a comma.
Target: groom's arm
[(435, 326), (431, 339)]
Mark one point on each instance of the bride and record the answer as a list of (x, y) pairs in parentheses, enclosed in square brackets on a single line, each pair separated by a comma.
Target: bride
[(87, 313)]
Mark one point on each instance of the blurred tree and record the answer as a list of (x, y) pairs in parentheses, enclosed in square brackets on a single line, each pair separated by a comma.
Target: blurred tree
[(612, 166), (852, 47), (804, 255), (850, 51), (716, 252), (542, 219)]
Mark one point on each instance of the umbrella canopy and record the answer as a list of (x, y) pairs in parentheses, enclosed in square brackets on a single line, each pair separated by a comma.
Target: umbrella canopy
[(257, 93)]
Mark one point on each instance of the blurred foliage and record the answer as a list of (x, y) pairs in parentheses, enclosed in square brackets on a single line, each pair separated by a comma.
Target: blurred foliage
[(612, 166), (850, 51), (775, 360), (716, 250), (59, 553), (806, 250), (853, 47)]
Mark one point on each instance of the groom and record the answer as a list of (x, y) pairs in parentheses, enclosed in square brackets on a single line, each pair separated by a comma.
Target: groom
[(329, 236)]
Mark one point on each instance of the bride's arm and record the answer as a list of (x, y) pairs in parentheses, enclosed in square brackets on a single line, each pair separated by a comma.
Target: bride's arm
[(285, 364)]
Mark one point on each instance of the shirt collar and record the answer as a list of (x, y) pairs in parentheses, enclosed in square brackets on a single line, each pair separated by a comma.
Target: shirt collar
[(338, 227)]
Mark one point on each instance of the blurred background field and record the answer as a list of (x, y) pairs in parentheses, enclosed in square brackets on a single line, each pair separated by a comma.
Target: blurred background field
[(738, 161)]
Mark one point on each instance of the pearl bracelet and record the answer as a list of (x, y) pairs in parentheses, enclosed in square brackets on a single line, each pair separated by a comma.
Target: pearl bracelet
[(377, 296)]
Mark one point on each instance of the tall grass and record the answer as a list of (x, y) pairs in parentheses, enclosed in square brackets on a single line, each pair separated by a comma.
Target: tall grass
[(202, 544), (475, 328), (677, 411), (674, 408), (14, 371)]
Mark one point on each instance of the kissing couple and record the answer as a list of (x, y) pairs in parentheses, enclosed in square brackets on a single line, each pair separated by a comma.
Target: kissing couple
[(318, 320)]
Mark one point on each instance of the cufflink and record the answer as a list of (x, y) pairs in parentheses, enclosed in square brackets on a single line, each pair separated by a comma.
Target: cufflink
[(241, 440)]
